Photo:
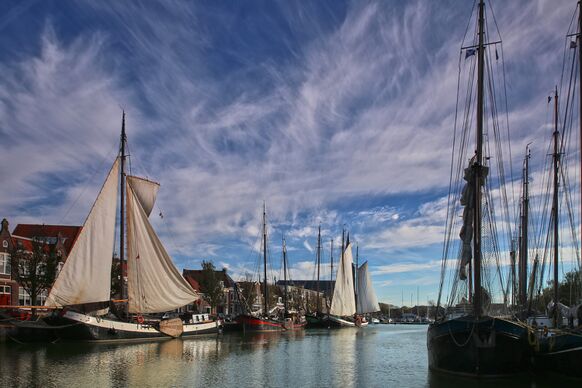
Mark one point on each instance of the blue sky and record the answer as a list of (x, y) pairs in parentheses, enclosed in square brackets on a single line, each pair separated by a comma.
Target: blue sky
[(332, 112)]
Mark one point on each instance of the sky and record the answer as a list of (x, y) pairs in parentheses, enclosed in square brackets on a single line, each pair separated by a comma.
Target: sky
[(333, 113)]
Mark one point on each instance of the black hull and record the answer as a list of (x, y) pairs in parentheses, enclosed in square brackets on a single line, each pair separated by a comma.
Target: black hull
[(488, 347), (316, 321), (560, 354)]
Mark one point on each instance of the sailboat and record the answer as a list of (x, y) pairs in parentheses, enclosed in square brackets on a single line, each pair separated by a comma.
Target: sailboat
[(468, 341), (317, 318), (266, 320), (367, 302), (343, 304), (81, 291), (559, 349)]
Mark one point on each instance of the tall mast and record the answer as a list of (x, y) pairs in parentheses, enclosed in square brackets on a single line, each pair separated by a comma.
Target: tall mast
[(122, 208), (555, 207), (265, 289), (285, 274), (356, 276), (331, 264), (318, 267), (523, 249), (343, 246), (579, 41), (478, 167)]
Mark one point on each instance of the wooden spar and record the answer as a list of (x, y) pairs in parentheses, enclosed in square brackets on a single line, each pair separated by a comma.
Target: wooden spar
[(318, 268), (331, 264), (285, 275), (579, 41), (265, 289), (555, 209), (8, 306), (523, 249), (356, 277), (122, 207), (478, 168)]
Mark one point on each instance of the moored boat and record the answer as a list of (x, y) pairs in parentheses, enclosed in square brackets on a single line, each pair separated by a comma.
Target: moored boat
[(80, 295), (474, 343)]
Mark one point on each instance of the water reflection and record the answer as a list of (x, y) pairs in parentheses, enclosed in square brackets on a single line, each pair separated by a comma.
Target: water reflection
[(380, 355)]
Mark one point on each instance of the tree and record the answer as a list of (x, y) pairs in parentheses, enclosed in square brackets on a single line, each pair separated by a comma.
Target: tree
[(210, 285), (36, 270), (569, 289), (116, 277)]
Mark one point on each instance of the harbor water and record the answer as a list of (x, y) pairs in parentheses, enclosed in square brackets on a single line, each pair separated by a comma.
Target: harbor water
[(376, 356)]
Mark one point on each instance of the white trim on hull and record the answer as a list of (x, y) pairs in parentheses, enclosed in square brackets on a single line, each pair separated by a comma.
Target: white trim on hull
[(89, 328)]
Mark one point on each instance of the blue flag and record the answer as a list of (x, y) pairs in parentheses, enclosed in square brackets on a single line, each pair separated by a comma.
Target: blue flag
[(470, 52)]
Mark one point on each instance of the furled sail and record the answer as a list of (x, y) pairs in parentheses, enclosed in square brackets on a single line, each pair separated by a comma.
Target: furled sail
[(154, 284), (467, 200), (367, 300), (86, 275), (343, 302), (146, 191)]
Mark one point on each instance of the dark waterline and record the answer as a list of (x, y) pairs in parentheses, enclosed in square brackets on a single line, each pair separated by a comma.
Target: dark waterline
[(376, 356)]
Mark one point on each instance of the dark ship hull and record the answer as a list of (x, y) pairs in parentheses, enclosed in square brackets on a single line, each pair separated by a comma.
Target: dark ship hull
[(560, 353), (484, 347)]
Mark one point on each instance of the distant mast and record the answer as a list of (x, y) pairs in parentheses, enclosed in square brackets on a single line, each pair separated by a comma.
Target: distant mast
[(523, 257), (318, 268), (122, 207), (331, 269), (555, 208), (285, 274), (265, 289)]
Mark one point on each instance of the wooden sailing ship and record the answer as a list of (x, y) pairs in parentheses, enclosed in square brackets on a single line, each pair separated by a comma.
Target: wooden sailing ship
[(80, 295), (472, 342), (264, 320), (559, 349)]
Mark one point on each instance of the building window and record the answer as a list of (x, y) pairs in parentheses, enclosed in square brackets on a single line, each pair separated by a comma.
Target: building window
[(5, 290), (5, 267), (24, 298), (5, 244)]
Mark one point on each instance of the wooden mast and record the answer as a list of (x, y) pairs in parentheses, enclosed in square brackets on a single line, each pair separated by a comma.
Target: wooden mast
[(478, 168), (523, 249), (356, 276), (122, 208), (318, 268), (265, 288), (285, 275), (579, 42), (555, 208), (331, 269)]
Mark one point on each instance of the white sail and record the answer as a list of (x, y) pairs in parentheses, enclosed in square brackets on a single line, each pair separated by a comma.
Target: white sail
[(154, 284), (146, 191), (343, 303), (86, 275), (367, 301)]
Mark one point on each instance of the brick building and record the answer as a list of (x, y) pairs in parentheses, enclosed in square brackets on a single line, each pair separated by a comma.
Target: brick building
[(58, 237), (230, 304)]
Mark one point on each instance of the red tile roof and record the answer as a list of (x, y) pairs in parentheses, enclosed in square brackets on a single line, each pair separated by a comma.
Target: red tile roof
[(68, 233), (193, 276)]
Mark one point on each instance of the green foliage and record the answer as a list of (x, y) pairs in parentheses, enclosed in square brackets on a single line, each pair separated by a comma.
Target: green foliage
[(35, 271), (569, 290), (210, 285), (116, 278)]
